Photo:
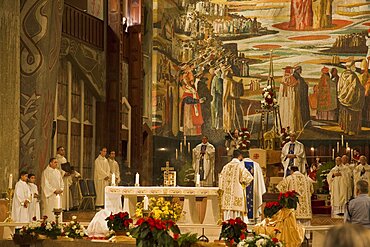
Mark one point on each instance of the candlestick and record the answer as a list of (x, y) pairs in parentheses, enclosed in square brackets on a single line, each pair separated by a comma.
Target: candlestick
[(180, 147), (197, 181), (58, 203), (342, 141), (10, 181), (351, 157), (189, 147), (137, 179), (177, 154), (184, 140), (146, 203), (333, 154), (338, 147), (113, 179)]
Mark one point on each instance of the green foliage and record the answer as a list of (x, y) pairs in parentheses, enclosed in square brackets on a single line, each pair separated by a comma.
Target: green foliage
[(322, 174), (187, 239), (233, 230)]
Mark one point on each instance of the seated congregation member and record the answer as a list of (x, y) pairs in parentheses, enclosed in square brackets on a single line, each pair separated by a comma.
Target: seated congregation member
[(347, 235), (234, 179), (21, 199), (51, 186), (34, 210), (358, 209)]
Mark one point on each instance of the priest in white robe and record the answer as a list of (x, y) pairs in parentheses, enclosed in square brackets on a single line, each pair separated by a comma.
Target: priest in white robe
[(114, 167), (256, 189), (293, 154), (339, 179), (67, 179), (234, 178), (362, 172), (204, 162), (34, 210), (101, 176), (21, 199), (51, 186)]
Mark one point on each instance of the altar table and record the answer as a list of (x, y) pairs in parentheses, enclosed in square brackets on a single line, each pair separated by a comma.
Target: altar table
[(113, 200)]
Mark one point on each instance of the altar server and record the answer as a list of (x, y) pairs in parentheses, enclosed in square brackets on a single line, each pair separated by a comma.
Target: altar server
[(256, 189), (21, 199), (114, 167), (362, 171), (67, 178), (204, 162), (234, 178), (34, 210), (51, 186), (101, 176), (293, 154)]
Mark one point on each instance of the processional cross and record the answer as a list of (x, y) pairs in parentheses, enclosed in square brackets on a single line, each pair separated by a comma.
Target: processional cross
[(169, 175)]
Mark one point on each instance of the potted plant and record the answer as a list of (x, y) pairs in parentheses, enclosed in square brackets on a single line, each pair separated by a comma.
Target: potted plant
[(161, 209), (289, 199), (260, 240), (119, 223), (74, 229), (271, 208), (233, 231)]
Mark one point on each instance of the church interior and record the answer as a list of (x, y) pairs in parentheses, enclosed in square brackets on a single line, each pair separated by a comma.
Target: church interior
[(226, 123)]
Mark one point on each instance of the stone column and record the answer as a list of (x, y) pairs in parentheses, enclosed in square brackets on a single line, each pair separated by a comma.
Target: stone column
[(10, 91)]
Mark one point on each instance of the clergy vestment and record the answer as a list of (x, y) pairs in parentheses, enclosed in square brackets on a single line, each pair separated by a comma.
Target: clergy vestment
[(300, 161), (51, 180), (67, 180), (204, 163), (114, 168), (338, 186), (303, 186), (98, 226), (233, 180), (361, 172), (22, 193), (255, 190), (34, 207), (101, 171)]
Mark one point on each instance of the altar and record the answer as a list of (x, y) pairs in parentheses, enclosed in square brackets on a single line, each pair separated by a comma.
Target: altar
[(113, 200)]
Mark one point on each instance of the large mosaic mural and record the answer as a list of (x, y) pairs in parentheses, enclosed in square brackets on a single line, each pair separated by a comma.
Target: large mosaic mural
[(213, 58)]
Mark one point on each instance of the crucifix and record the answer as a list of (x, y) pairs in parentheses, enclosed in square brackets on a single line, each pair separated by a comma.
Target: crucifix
[(169, 175)]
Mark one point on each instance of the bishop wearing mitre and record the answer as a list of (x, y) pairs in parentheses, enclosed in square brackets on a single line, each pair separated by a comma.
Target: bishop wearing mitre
[(21, 199), (339, 179), (234, 178), (204, 162), (51, 185), (101, 176)]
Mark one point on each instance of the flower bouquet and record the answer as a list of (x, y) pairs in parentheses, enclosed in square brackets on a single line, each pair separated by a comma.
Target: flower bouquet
[(289, 199), (161, 209), (151, 232), (271, 208), (74, 229), (233, 231), (120, 222), (260, 240), (244, 136), (42, 227), (269, 98)]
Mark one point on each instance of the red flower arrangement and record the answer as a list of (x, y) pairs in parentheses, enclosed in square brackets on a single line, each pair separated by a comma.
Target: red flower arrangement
[(119, 222), (289, 199), (233, 230), (271, 208), (244, 136), (155, 232), (269, 98)]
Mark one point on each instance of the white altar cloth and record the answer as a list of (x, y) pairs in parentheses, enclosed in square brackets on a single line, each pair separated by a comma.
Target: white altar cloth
[(113, 200)]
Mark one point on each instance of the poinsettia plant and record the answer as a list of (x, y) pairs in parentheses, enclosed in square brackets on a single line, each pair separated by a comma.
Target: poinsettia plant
[(119, 222), (260, 240), (151, 232), (271, 208), (42, 227), (289, 199), (233, 230)]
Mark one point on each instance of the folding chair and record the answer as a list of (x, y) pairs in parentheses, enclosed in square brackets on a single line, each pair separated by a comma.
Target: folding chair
[(86, 198)]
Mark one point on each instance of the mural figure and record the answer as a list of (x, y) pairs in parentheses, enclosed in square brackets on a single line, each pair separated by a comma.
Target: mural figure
[(301, 15), (302, 89), (322, 13), (351, 96), (327, 97), (216, 105)]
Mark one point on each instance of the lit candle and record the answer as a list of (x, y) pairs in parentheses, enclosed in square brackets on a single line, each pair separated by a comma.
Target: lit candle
[(137, 179), (146, 203), (177, 154), (10, 181), (180, 147), (342, 141), (58, 203), (174, 178), (338, 147), (347, 145), (197, 181), (351, 155), (333, 154), (189, 147), (184, 140), (113, 179)]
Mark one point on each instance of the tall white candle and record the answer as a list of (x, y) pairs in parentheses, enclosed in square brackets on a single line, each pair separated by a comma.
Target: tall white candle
[(137, 179), (184, 140), (180, 147), (174, 178), (333, 154), (177, 154), (146, 203), (342, 141), (338, 147), (197, 181), (346, 144), (351, 155), (58, 203), (113, 179), (189, 147), (10, 186)]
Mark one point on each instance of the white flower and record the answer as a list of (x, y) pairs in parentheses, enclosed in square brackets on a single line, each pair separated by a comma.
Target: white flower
[(48, 226), (82, 234), (74, 217), (261, 242), (268, 87), (72, 222), (74, 227), (265, 236)]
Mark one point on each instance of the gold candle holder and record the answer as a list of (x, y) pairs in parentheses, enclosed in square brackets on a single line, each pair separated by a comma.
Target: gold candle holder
[(57, 212), (9, 198)]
